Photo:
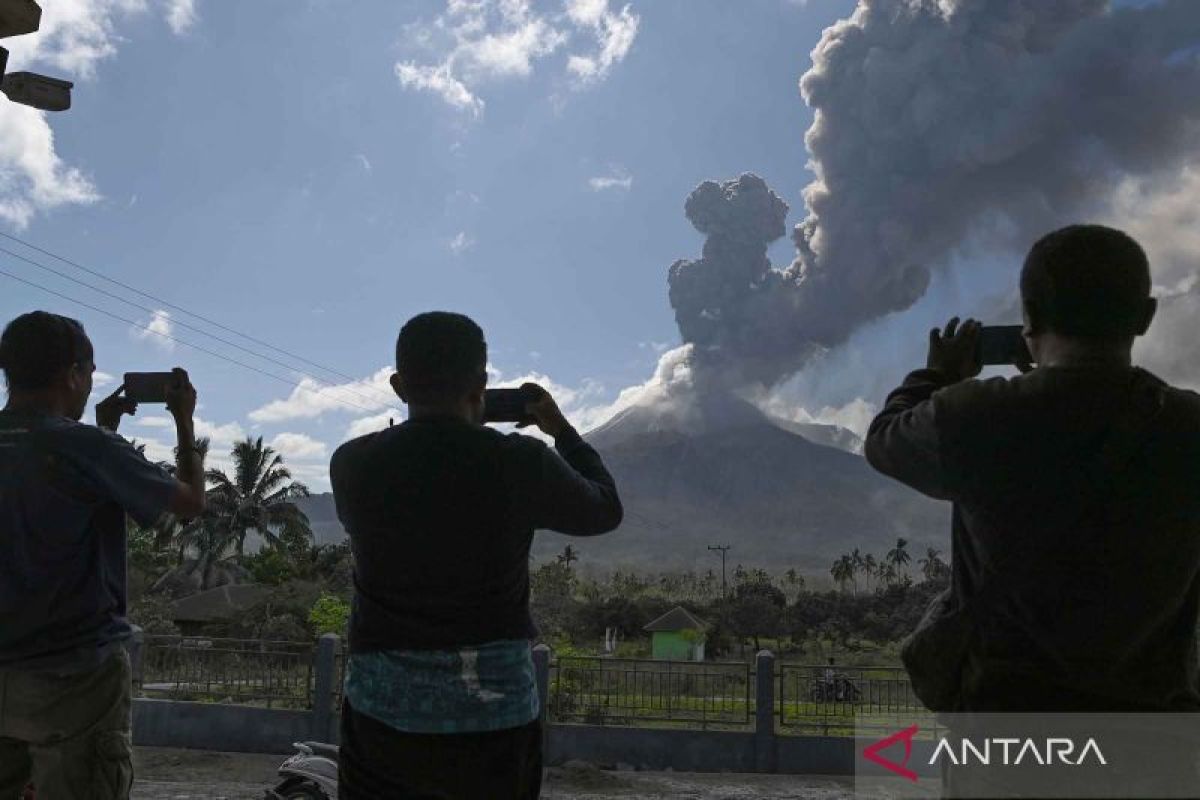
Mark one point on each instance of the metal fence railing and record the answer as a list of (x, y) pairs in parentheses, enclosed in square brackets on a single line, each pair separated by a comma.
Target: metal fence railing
[(609, 691), (817, 698), (274, 674)]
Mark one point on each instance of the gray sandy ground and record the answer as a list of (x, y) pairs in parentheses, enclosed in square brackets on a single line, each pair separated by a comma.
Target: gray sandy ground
[(173, 774)]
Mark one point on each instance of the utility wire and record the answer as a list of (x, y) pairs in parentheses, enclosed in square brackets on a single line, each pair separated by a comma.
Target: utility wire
[(174, 307), (370, 399), (201, 348)]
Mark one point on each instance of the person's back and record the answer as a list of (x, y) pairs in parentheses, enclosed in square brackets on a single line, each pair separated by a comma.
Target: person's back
[(440, 695), (1099, 604), (1095, 569), (65, 490), (441, 514)]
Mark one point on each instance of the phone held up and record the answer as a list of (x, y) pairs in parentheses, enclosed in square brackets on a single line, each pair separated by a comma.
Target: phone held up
[(1003, 345), (148, 387), (507, 405)]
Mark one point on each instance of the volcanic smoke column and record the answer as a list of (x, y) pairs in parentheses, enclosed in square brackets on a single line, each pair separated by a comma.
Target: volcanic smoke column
[(939, 127)]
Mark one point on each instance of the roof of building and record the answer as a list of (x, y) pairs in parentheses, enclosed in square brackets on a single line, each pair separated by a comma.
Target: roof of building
[(677, 619), (221, 603)]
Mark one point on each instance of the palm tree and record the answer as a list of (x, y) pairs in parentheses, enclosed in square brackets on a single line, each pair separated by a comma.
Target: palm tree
[(568, 556), (932, 566), (870, 566), (258, 498), (897, 557), (842, 571), (857, 564)]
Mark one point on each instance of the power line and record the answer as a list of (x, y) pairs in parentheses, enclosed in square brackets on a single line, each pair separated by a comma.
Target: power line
[(189, 326), (184, 342), (175, 307)]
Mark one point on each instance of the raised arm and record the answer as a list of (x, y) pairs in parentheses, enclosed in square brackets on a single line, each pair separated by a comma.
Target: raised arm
[(573, 493), (903, 440)]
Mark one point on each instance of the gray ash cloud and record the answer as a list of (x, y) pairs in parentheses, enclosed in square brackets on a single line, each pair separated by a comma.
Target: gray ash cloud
[(936, 124)]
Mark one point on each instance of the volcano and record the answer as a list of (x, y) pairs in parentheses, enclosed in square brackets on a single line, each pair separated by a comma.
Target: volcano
[(722, 472), (719, 471)]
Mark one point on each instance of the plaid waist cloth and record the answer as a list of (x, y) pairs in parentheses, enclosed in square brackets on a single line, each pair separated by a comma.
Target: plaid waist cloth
[(488, 687)]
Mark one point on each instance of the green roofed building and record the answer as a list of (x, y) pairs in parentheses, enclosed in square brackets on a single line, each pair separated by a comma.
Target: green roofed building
[(677, 636)]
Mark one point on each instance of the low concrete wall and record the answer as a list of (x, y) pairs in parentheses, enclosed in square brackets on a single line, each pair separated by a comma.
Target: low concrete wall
[(212, 726)]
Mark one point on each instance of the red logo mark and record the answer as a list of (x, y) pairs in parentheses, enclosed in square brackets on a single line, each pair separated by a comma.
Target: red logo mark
[(871, 753)]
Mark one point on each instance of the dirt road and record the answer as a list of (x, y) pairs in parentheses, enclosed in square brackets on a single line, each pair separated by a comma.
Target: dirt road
[(170, 774)]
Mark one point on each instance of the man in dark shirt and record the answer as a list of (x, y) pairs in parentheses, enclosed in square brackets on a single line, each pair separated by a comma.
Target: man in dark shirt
[(1100, 584), (65, 488), (440, 692), (1094, 560)]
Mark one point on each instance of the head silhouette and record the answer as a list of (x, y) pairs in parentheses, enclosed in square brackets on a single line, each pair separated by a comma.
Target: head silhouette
[(47, 359), (441, 364), (1089, 283)]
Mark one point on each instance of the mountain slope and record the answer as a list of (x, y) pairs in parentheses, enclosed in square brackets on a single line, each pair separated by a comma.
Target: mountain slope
[(737, 478)]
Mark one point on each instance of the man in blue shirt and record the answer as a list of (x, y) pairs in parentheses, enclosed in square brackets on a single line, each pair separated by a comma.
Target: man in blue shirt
[(440, 694), (65, 488)]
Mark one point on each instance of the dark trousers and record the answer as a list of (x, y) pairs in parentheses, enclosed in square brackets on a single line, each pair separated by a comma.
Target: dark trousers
[(377, 761)]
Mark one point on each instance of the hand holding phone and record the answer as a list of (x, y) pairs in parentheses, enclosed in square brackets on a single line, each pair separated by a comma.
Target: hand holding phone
[(1004, 345), (148, 387)]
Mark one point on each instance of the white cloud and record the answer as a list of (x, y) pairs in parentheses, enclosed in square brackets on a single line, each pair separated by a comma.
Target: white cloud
[(619, 179), (33, 178), (854, 416), (74, 37), (461, 243), (181, 15), (614, 33), (475, 41), (298, 446), (221, 437), (312, 399), (101, 379), (441, 82), (364, 425), (156, 330)]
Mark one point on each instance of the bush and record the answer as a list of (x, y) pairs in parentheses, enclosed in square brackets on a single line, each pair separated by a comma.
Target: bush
[(330, 614), (154, 613)]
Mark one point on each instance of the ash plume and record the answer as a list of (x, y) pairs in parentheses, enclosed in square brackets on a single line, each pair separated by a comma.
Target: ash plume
[(939, 124)]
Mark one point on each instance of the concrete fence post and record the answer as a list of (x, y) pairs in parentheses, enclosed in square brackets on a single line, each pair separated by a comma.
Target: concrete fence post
[(325, 676), (764, 712), (541, 671), (137, 654)]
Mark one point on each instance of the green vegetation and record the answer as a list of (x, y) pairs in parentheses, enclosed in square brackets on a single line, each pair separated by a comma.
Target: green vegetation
[(878, 602)]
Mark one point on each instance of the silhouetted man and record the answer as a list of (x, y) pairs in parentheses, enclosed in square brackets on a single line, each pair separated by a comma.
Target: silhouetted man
[(1097, 584), (440, 693), (65, 488)]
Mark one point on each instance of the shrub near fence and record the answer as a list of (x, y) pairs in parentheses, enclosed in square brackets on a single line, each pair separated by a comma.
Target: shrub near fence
[(608, 691), (251, 672)]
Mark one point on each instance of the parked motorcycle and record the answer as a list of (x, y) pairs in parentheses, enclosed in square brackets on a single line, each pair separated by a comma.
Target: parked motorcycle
[(310, 774), (840, 688)]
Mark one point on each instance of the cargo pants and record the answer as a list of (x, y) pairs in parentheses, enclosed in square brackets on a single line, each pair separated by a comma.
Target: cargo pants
[(70, 733)]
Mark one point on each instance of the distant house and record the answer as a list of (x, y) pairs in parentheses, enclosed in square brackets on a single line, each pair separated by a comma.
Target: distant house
[(677, 636), (200, 612)]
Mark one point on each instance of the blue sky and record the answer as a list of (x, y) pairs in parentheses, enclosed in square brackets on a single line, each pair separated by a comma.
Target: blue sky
[(265, 167), (314, 173)]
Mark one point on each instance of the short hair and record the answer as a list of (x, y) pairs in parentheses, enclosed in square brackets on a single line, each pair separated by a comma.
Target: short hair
[(440, 356), (1087, 281), (36, 347)]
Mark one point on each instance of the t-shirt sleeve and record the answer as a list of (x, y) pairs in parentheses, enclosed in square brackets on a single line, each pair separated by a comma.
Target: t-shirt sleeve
[(144, 489)]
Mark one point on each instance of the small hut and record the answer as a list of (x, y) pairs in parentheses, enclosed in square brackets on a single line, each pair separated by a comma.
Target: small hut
[(677, 636)]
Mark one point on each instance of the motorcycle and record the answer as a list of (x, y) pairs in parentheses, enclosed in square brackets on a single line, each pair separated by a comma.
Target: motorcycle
[(310, 774), (840, 688)]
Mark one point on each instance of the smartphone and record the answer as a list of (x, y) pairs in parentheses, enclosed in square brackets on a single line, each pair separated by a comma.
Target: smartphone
[(506, 405), (1003, 344), (148, 387)]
